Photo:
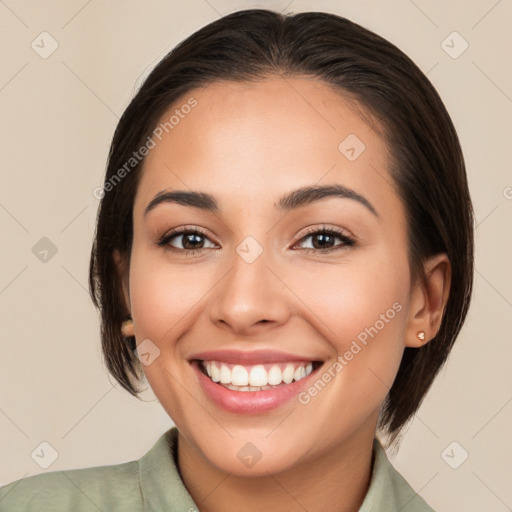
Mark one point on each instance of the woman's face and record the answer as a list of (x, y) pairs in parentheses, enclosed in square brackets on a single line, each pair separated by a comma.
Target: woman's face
[(262, 282)]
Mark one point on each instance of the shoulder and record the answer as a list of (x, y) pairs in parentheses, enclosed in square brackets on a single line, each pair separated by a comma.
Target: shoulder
[(114, 487)]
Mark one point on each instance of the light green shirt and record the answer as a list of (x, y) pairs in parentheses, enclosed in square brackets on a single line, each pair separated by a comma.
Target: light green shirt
[(153, 484)]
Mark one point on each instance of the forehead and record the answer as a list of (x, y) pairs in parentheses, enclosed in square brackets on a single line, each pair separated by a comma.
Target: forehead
[(244, 142)]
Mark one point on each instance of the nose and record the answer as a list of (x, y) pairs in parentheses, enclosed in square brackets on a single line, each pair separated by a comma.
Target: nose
[(251, 297)]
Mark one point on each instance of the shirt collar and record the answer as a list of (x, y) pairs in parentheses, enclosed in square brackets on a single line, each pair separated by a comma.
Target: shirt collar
[(161, 484), (163, 489), (388, 489)]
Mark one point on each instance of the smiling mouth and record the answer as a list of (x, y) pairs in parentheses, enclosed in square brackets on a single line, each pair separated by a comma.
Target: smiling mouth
[(258, 377)]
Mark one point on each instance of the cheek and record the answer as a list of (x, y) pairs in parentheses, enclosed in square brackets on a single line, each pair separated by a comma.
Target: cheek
[(162, 295), (166, 300), (350, 296), (360, 309)]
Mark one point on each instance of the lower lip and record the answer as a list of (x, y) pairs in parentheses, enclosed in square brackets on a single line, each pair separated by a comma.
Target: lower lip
[(250, 402)]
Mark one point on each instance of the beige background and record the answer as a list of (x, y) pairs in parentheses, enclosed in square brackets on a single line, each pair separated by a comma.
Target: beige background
[(58, 116)]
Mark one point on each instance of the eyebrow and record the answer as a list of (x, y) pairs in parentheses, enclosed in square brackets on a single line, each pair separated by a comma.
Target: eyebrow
[(291, 201)]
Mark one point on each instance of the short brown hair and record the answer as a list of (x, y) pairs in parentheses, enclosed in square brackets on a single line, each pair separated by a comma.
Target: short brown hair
[(428, 166)]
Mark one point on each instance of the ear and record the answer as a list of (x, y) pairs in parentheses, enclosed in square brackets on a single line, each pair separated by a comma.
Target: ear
[(122, 270), (428, 301)]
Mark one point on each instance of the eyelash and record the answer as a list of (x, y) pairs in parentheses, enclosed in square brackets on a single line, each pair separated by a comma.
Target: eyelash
[(347, 240)]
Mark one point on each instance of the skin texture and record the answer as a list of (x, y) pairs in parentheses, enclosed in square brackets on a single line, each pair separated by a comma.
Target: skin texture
[(247, 145)]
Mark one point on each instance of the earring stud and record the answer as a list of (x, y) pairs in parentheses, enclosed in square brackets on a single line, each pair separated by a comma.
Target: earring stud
[(127, 328), (421, 335)]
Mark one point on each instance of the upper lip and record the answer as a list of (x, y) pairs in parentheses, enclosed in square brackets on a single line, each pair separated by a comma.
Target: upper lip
[(250, 357)]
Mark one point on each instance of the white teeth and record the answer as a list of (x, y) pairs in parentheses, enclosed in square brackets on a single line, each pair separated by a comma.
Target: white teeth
[(224, 374), (298, 373), (214, 372), (275, 376), (239, 376), (256, 378), (288, 374)]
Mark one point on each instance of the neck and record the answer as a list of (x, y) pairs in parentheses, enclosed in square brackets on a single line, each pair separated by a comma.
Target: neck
[(335, 481)]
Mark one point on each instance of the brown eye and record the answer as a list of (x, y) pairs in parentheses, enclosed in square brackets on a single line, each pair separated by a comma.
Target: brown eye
[(323, 240), (191, 240)]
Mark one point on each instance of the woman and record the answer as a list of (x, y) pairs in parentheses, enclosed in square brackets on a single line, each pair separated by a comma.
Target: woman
[(284, 250)]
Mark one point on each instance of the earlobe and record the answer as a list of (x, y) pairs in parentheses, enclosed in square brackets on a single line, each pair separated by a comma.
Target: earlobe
[(428, 302)]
